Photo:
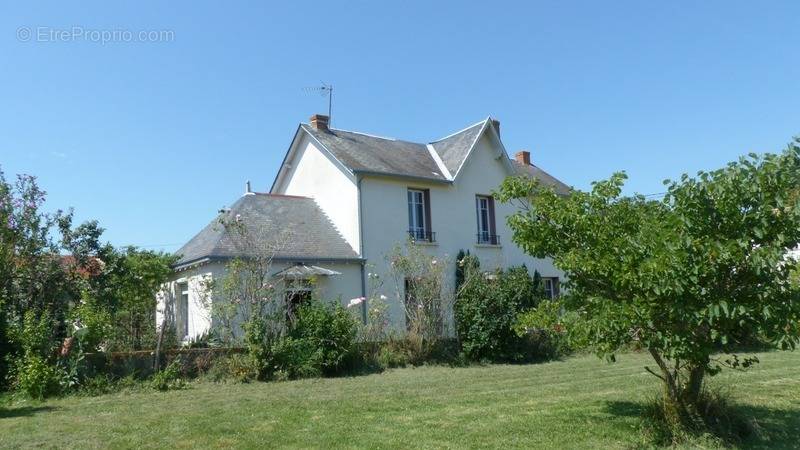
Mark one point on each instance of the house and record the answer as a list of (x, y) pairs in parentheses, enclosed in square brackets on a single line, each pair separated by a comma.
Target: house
[(342, 200)]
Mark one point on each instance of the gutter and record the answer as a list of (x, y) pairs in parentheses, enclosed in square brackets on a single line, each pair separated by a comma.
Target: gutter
[(403, 176), (209, 259), (359, 179)]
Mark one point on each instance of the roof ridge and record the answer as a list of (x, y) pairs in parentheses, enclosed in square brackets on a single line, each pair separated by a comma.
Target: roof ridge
[(269, 194), (372, 135)]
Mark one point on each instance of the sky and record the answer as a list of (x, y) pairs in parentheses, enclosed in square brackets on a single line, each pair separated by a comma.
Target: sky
[(150, 116)]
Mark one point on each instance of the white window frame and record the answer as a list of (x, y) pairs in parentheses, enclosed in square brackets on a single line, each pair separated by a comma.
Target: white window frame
[(549, 287), (417, 222)]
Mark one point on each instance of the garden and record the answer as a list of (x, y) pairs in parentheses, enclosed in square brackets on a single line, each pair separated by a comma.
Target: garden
[(688, 293)]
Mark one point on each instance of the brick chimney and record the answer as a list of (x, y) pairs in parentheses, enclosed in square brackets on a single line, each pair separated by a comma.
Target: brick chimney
[(523, 157), (319, 121)]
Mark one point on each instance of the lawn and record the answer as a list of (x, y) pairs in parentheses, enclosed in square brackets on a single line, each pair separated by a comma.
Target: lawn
[(580, 402)]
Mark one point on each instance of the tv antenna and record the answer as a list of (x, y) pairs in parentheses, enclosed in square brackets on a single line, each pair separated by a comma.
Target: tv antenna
[(323, 90)]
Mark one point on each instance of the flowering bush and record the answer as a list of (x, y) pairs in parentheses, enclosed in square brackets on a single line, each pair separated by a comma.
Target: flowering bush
[(421, 281)]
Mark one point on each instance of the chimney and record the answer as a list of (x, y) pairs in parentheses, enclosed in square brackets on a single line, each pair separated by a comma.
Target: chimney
[(523, 157), (319, 122), (247, 190), (496, 124)]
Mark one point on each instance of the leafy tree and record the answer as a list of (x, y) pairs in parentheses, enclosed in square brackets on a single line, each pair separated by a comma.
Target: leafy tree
[(683, 276), (123, 291), (36, 279)]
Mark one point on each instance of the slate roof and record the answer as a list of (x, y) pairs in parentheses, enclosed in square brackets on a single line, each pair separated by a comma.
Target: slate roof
[(288, 227), (453, 149), (545, 178), (372, 154), (364, 153)]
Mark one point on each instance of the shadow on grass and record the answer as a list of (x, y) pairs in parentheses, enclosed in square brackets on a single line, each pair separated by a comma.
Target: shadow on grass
[(772, 427), (25, 411)]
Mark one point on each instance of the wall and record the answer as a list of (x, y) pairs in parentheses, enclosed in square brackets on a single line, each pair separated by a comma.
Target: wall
[(340, 288), (453, 220), (314, 174)]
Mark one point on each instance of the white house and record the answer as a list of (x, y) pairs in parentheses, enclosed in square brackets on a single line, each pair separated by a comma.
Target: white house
[(347, 198)]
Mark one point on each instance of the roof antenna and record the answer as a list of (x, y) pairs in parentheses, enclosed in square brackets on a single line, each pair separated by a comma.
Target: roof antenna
[(323, 90)]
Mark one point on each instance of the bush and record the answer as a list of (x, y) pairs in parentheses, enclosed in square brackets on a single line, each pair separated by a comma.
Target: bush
[(95, 321), (486, 310), (169, 378), (545, 329), (36, 378), (297, 358), (238, 368), (326, 334), (391, 355)]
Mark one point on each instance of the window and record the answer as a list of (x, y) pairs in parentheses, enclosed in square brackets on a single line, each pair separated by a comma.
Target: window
[(183, 310), (484, 206), (298, 291), (419, 215), (550, 287)]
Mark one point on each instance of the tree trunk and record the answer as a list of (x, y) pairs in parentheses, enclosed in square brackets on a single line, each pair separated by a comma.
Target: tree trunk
[(694, 386)]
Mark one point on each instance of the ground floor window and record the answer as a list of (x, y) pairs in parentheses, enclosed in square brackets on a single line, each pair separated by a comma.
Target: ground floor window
[(182, 314), (298, 292)]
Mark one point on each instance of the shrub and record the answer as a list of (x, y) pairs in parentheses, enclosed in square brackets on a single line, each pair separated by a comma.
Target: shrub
[(545, 328), (169, 378), (238, 368), (392, 355), (328, 330), (260, 339), (36, 378), (297, 358), (95, 322), (486, 310), (420, 280)]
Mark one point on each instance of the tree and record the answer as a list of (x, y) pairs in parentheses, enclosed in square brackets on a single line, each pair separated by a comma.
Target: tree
[(123, 290), (685, 276)]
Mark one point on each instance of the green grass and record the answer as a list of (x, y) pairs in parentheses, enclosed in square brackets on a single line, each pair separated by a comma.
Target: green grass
[(577, 403)]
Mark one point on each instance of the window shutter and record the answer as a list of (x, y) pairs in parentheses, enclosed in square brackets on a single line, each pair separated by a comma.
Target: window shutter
[(428, 226), (556, 287), (492, 227)]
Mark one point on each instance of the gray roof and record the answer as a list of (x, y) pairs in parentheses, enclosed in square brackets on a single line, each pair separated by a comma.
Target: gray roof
[(286, 227), (364, 153), (453, 150), (545, 178), (372, 154)]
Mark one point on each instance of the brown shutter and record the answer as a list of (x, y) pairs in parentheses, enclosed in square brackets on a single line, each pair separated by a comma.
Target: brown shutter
[(492, 227), (428, 226)]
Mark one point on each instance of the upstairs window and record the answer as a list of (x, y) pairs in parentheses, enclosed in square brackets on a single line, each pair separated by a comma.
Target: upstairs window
[(550, 287), (484, 206), (419, 215)]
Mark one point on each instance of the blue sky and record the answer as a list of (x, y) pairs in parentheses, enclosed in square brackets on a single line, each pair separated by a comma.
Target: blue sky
[(152, 138)]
